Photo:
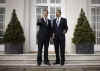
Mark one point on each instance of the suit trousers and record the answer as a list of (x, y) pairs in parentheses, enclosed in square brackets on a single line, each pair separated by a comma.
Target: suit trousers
[(59, 44), (42, 43)]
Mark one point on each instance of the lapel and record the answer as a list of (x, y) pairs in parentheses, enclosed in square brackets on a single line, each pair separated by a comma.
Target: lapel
[(44, 22), (59, 22), (56, 22)]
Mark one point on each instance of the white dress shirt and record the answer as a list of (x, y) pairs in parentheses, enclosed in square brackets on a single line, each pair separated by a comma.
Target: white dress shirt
[(58, 21), (46, 20)]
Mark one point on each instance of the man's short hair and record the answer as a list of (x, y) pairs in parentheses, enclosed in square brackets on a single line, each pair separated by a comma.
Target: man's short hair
[(58, 10), (45, 10)]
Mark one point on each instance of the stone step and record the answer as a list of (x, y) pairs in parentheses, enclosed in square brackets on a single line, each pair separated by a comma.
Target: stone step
[(51, 56), (68, 67), (52, 66), (16, 56), (22, 59)]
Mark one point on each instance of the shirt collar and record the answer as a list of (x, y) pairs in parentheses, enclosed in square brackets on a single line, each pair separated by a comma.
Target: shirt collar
[(45, 17), (59, 18)]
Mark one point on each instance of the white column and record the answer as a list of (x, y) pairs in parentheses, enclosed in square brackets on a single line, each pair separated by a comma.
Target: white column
[(33, 27), (27, 21)]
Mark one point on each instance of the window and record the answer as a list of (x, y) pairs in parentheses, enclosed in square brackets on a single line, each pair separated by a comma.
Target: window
[(52, 12), (55, 1), (39, 10), (2, 17), (95, 1), (51, 5), (95, 18), (52, 1), (58, 1), (2, 20), (2, 1), (41, 1)]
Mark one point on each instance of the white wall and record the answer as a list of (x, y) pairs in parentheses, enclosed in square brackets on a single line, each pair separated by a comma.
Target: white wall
[(19, 6)]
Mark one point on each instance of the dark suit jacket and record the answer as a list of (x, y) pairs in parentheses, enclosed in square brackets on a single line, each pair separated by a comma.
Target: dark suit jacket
[(58, 31), (44, 32)]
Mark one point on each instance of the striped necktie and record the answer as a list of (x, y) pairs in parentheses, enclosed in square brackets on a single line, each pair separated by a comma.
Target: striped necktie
[(57, 21)]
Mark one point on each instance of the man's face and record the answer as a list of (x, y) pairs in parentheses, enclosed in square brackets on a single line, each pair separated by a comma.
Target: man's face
[(45, 13), (58, 14)]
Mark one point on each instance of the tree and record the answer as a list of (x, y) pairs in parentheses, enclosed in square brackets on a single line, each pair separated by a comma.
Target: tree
[(14, 32), (83, 32)]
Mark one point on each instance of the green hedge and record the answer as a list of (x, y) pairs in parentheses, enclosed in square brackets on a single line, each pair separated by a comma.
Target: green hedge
[(83, 32)]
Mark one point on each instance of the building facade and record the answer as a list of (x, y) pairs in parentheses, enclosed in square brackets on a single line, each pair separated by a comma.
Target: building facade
[(29, 10)]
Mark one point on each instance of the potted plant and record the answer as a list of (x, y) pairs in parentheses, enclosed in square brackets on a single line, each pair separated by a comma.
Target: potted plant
[(84, 37), (14, 36)]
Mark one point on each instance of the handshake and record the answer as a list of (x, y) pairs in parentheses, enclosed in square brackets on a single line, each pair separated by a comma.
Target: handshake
[(52, 39)]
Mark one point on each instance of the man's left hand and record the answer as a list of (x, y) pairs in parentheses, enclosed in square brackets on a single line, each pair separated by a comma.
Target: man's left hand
[(64, 32)]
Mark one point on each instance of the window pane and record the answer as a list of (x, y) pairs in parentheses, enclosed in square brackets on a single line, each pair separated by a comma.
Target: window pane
[(93, 11), (52, 17), (1, 34), (98, 26), (52, 1), (58, 1), (98, 11), (95, 1), (39, 10), (93, 19), (2, 10), (41, 1), (1, 28), (98, 19), (38, 16), (52, 10), (38, 1), (93, 27), (1, 25), (98, 33), (44, 1), (1, 18), (98, 40), (2, 1)]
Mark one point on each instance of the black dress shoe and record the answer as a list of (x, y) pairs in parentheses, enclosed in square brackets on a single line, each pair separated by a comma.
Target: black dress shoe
[(47, 63), (38, 63), (56, 63), (62, 64)]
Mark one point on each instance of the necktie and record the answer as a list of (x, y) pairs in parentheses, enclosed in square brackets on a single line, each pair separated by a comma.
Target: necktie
[(57, 22), (46, 21)]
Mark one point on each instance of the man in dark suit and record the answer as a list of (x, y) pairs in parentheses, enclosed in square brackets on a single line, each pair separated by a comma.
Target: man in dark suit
[(43, 37), (59, 29)]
